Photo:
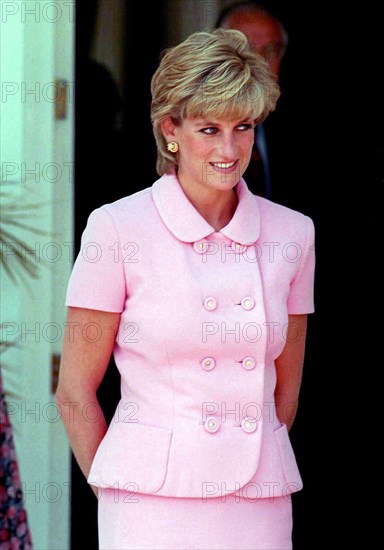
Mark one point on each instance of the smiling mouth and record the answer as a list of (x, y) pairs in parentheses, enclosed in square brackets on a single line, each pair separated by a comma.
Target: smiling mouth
[(223, 165)]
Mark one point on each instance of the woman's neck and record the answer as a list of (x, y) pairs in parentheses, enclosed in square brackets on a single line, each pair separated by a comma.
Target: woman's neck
[(215, 206)]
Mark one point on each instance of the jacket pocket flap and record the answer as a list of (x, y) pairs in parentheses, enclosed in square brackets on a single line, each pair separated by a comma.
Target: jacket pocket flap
[(132, 455)]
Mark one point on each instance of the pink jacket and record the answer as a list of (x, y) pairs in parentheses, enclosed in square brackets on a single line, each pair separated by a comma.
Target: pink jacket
[(203, 317)]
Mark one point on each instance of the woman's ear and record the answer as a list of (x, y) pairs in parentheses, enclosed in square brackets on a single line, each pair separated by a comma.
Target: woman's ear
[(168, 128)]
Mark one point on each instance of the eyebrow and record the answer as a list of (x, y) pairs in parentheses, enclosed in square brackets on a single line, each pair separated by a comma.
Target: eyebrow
[(203, 122)]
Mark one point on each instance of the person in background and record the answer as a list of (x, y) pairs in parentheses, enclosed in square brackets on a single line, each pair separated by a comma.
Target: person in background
[(267, 37), (206, 323), (14, 529)]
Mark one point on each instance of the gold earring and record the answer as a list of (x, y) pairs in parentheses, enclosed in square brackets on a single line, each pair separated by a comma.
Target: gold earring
[(172, 147)]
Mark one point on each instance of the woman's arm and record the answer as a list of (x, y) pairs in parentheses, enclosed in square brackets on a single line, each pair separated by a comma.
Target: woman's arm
[(289, 368), (87, 348)]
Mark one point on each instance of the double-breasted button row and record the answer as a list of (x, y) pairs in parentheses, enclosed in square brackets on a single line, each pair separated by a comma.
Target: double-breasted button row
[(247, 303), (248, 424), (209, 363)]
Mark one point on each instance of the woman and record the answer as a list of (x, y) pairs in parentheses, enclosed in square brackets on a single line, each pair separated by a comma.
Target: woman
[(201, 290)]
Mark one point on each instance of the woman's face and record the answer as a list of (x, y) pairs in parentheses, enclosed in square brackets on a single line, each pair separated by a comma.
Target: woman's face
[(213, 153)]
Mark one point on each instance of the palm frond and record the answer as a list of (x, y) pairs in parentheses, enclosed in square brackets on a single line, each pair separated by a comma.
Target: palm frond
[(21, 225), (22, 267)]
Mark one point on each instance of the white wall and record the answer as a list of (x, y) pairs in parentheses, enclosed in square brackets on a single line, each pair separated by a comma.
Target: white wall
[(37, 166)]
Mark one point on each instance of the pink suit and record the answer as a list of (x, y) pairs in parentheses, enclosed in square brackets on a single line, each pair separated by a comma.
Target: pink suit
[(203, 317)]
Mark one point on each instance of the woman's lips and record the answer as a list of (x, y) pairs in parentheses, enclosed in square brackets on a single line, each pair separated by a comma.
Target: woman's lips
[(225, 167)]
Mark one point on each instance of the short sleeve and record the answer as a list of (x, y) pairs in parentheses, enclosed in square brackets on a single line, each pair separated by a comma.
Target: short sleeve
[(300, 299), (98, 280)]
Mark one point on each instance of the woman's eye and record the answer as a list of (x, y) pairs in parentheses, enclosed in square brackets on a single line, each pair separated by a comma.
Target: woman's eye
[(209, 131), (243, 127)]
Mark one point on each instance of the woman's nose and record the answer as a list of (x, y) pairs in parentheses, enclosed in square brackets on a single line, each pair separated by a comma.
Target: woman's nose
[(228, 148)]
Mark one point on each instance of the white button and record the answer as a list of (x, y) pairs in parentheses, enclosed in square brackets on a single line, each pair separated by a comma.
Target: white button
[(247, 303), (211, 424), (208, 363), (201, 246), (210, 303), (249, 424), (238, 247), (249, 363)]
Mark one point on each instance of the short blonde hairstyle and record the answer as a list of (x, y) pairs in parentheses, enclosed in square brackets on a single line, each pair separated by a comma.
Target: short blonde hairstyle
[(209, 75)]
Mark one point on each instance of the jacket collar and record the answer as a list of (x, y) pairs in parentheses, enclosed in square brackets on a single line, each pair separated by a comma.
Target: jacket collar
[(188, 225)]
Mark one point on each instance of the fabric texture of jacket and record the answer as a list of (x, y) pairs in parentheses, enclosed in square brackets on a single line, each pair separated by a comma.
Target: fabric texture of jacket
[(203, 317)]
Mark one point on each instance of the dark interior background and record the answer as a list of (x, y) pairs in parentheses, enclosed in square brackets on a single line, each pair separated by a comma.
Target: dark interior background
[(328, 165)]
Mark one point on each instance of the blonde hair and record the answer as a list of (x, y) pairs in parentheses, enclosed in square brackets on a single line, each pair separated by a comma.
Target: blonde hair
[(209, 75)]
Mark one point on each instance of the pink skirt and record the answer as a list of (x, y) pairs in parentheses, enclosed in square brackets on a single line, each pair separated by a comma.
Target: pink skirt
[(139, 521)]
